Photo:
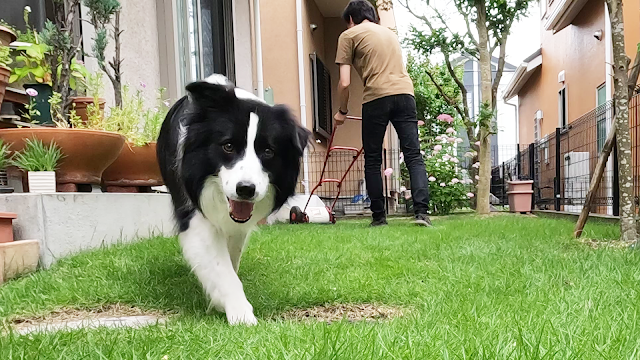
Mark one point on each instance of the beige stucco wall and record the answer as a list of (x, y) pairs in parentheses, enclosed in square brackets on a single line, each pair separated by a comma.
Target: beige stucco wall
[(140, 49), (575, 51)]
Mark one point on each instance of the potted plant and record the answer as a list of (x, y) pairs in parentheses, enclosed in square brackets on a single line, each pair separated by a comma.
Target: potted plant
[(136, 168), (91, 106), (32, 70), (5, 71), (7, 35), (40, 162), (5, 161), (520, 195)]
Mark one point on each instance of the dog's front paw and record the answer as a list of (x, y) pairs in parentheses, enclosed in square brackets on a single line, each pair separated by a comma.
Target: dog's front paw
[(241, 315)]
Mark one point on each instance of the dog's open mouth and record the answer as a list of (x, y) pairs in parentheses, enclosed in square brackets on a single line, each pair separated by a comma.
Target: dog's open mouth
[(240, 211)]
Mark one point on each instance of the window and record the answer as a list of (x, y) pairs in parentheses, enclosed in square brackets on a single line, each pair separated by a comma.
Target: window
[(563, 115), (205, 38), (322, 113), (601, 116), (536, 129)]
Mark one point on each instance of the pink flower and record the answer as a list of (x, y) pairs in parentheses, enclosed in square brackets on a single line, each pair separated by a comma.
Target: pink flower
[(459, 140), (443, 184), (451, 140), (388, 172), (477, 143), (80, 62), (451, 130), (446, 157), (454, 160), (476, 165), (446, 118), (477, 177), (470, 195), (432, 179), (143, 85), (32, 92), (455, 181), (439, 138), (437, 148), (420, 123), (468, 154)]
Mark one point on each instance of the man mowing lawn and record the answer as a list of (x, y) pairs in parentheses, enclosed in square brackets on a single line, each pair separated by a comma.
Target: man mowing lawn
[(375, 53)]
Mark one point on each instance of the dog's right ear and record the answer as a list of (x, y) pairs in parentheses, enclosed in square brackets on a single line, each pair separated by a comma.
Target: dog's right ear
[(211, 96)]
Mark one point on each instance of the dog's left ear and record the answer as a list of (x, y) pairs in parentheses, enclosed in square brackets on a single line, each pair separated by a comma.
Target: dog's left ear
[(208, 95), (301, 136)]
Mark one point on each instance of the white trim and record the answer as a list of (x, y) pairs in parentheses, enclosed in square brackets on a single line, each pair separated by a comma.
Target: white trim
[(303, 90), (563, 14), (258, 40), (521, 76)]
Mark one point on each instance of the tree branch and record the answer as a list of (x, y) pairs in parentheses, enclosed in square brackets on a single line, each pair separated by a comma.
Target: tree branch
[(451, 101)]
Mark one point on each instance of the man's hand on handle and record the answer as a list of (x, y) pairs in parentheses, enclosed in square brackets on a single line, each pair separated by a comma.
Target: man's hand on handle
[(340, 118)]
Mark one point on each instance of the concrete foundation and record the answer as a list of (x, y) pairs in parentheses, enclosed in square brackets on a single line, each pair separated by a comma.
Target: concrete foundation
[(67, 223)]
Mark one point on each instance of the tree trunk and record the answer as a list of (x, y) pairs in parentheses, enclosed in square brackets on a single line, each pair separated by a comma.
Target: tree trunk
[(117, 62), (628, 230), (484, 183)]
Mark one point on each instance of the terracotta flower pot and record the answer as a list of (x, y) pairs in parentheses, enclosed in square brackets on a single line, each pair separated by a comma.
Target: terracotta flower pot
[(7, 36), (80, 104), (4, 81), (520, 194), (87, 153), (136, 166), (6, 226)]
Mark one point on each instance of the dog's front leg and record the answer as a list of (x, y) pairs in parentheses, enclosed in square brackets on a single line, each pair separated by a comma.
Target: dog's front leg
[(207, 252)]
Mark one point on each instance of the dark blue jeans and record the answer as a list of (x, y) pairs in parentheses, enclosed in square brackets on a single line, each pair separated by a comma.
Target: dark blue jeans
[(376, 114)]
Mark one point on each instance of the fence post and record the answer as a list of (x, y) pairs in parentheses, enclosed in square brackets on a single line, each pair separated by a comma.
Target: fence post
[(532, 172), (616, 182), (556, 183), (518, 164), (503, 198), (386, 187)]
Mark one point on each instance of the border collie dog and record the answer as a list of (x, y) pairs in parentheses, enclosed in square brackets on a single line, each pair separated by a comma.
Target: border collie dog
[(229, 160)]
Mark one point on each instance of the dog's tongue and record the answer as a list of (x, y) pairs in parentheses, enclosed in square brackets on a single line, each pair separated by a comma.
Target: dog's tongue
[(241, 210)]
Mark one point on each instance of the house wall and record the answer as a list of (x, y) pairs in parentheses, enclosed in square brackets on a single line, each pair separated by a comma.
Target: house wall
[(575, 51), (140, 49)]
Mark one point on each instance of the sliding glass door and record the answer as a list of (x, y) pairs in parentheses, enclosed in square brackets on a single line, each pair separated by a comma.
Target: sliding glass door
[(205, 35)]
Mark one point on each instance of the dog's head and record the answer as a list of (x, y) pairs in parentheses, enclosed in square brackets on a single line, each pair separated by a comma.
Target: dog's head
[(247, 147)]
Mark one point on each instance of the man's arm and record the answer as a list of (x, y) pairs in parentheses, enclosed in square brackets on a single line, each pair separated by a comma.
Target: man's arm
[(343, 93)]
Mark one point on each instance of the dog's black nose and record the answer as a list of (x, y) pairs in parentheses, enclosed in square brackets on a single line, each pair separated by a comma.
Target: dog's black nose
[(245, 191)]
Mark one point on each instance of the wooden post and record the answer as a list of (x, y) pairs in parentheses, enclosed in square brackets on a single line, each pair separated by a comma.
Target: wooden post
[(595, 181)]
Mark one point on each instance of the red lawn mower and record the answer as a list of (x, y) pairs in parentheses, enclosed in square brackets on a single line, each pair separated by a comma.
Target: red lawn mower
[(300, 216)]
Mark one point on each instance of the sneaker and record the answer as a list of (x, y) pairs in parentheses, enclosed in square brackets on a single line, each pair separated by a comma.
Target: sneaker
[(422, 220), (379, 222)]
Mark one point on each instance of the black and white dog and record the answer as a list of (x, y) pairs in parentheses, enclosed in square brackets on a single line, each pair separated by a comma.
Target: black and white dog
[(229, 160)]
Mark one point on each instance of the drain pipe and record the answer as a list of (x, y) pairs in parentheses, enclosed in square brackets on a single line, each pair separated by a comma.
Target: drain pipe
[(258, 35), (303, 95)]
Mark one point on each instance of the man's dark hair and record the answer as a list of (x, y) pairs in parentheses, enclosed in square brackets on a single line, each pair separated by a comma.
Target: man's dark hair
[(359, 11)]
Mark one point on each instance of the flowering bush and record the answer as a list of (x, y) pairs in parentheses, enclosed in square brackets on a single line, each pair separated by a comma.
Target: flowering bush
[(446, 184)]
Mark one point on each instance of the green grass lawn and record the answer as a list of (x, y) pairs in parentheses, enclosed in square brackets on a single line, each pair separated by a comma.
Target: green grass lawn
[(504, 287)]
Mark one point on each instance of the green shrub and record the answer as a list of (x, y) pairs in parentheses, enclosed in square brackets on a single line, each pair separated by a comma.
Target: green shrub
[(37, 157)]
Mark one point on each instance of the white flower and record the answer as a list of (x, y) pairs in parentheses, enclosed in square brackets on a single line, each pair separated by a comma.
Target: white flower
[(468, 154), (455, 181), (451, 130), (451, 140), (454, 160), (477, 143), (464, 171), (476, 165), (459, 140), (446, 157), (477, 177), (27, 9), (403, 189), (432, 179), (443, 184), (422, 152), (438, 137), (470, 195), (437, 148)]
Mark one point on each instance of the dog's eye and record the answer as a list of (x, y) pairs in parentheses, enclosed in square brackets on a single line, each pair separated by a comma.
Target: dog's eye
[(228, 148), (268, 153)]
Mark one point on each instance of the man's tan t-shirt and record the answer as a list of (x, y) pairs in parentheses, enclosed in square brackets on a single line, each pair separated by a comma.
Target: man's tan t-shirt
[(375, 53)]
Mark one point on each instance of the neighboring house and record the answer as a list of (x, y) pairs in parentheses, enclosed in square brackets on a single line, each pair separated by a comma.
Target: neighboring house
[(565, 89), (287, 53), (504, 140)]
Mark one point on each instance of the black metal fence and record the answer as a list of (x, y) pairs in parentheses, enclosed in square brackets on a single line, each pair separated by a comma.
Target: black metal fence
[(561, 164)]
